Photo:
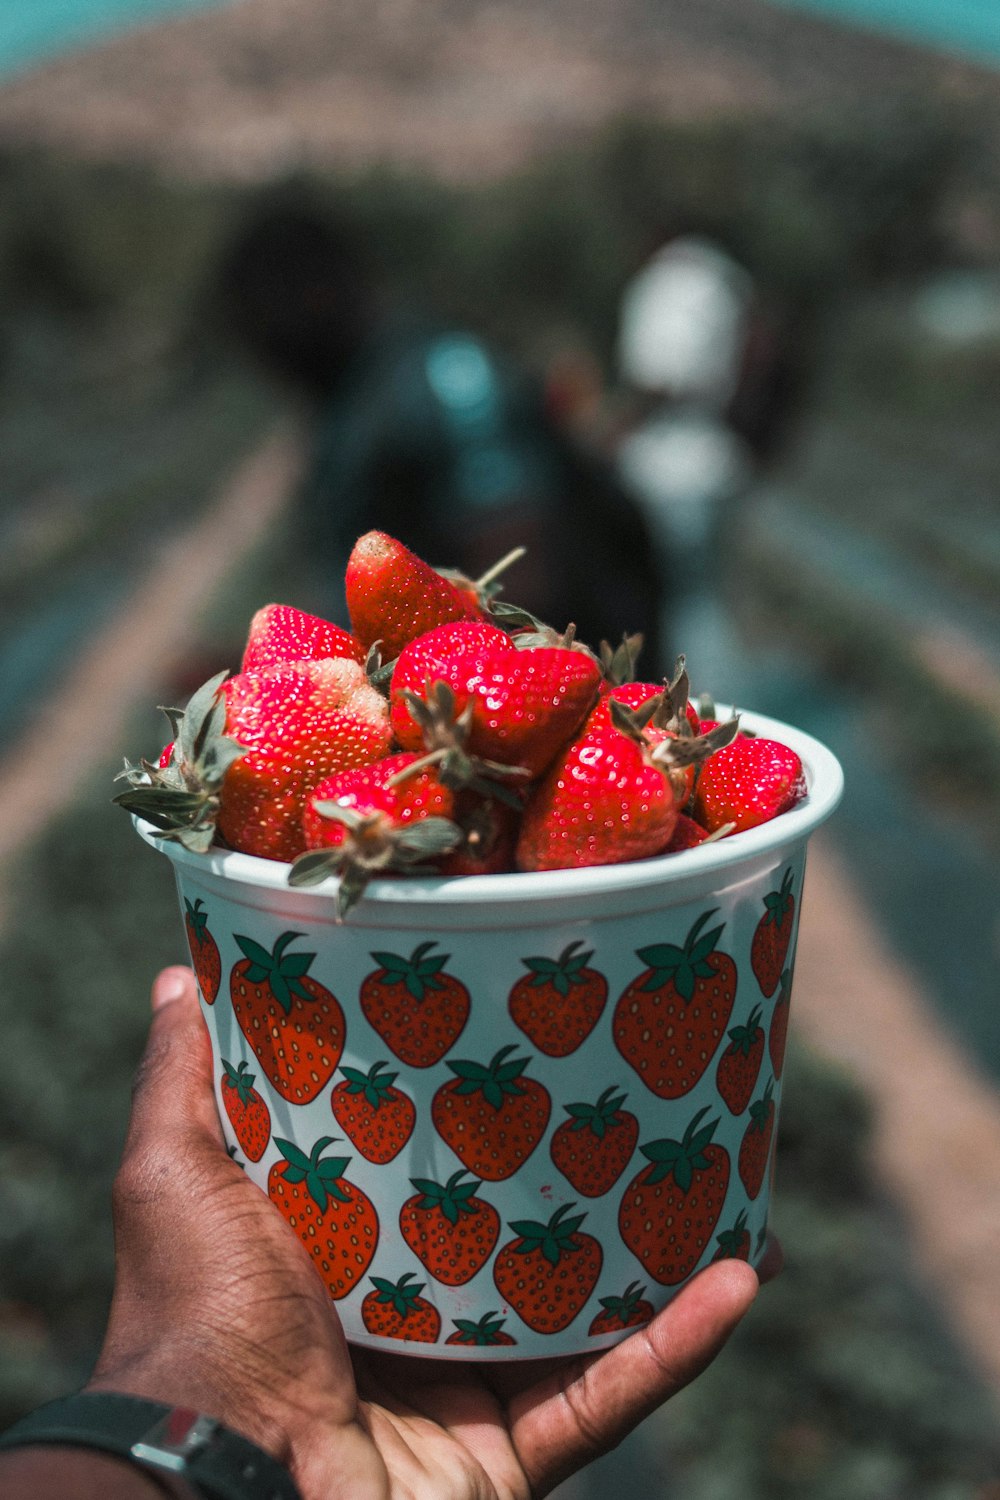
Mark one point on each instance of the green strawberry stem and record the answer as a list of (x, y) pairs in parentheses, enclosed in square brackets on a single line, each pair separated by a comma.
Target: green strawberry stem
[(282, 972), (375, 1085), (760, 1110), (452, 1198), (680, 1159), (483, 1332), (402, 1294), (682, 967), (321, 1177), (419, 973), (743, 1037), (562, 972), (239, 1079), (198, 917), (554, 1239), (596, 1117), (625, 1305), (496, 1081)]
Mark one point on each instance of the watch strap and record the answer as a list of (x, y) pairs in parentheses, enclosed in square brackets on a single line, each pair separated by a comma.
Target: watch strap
[(169, 1441)]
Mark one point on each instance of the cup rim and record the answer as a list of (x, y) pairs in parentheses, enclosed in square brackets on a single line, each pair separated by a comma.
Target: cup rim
[(824, 782)]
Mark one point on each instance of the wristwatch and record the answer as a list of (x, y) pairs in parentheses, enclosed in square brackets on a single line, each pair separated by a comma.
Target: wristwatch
[(168, 1441)]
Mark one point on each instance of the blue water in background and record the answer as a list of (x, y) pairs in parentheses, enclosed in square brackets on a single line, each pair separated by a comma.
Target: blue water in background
[(31, 30)]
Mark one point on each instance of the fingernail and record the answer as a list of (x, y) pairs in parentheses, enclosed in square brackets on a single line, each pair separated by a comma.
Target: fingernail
[(169, 985)]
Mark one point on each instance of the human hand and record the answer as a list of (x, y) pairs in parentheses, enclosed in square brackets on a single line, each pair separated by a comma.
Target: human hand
[(217, 1307)]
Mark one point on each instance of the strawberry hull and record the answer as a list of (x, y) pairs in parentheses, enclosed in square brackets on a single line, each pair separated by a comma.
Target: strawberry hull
[(493, 1121)]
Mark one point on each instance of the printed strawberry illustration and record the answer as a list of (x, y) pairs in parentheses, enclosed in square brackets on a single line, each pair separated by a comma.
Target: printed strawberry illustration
[(630, 1310), (669, 1212), (778, 1034), (490, 1115), (595, 1145), (739, 1066), (395, 1310), (333, 1218), (734, 1243), (204, 950), (756, 1142), (246, 1110), (294, 1025), (559, 1001), (374, 1116), (549, 1271), (489, 1330), (773, 934), (417, 1010), (279, 634), (452, 1230), (670, 1019)]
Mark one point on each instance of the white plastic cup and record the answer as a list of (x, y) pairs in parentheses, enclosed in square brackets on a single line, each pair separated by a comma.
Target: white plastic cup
[(485, 1159)]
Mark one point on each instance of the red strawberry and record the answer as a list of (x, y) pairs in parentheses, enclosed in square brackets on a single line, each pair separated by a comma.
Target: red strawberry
[(395, 1310), (248, 751), (489, 835), (549, 1271), (375, 1117), (670, 1019), (449, 1227), (491, 1116), (204, 950), (489, 1330), (669, 1211), (418, 1011), (747, 783), (756, 1142), (630, 1310), (739, 1065), (373, 819), (279, 633), (246, 1110), (734, 1243), (294, 1025), (772, 936), (333, 1218), (594, 1146), (392, 596), (778, 1034), (559, 1001), (514, 708), (687, 834)]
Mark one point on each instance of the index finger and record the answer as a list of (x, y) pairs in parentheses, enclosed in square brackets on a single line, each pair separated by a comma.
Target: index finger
[(585, 1407)]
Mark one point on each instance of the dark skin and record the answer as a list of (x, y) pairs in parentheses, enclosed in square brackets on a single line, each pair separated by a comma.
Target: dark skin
[(217, 1307)]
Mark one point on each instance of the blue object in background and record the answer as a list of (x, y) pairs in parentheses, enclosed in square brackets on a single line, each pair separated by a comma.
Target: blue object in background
[(971, 27), (31, 30)]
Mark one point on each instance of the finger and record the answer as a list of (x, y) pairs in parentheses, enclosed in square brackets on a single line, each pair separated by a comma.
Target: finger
[(577, 1413), (172, 1098)]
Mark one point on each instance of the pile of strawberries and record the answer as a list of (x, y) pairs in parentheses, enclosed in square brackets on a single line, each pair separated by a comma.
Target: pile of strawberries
[(447, 732)]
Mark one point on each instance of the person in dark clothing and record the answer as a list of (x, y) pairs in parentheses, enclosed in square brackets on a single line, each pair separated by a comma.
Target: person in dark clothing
[(429, 434)]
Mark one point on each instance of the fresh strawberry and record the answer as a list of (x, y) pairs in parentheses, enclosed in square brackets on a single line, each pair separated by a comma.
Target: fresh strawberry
[(594, 1146), (489, 1330), (756, 1142), (772, 936), (333, 1218), (374, 819), (293, 1023), (734, 1243), (672, 1017), (777, 1036), (374, 1116), (747, 783), (614, 793), (687, 834), (417, 1010), (392, 596), (395, 1310), (489, 836), (549, 1271), (739, 1065), (630, 1310), (279, 634), (249, 750), (451, 1229), (559, 1001), (246, 1110), (513, 708), (490, 1115), (204, 950), (668, 1213)]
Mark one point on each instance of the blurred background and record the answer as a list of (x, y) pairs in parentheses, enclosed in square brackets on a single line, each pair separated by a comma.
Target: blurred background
[(732, 265)]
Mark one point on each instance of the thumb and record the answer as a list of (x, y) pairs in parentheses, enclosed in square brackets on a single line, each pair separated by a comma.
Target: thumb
[(172, 1097)]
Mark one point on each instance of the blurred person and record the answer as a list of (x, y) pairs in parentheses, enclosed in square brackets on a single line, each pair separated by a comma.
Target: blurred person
[(225, 1373), (424, 431)]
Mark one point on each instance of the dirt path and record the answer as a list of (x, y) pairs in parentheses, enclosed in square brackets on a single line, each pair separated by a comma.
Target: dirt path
[(82, 724)]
